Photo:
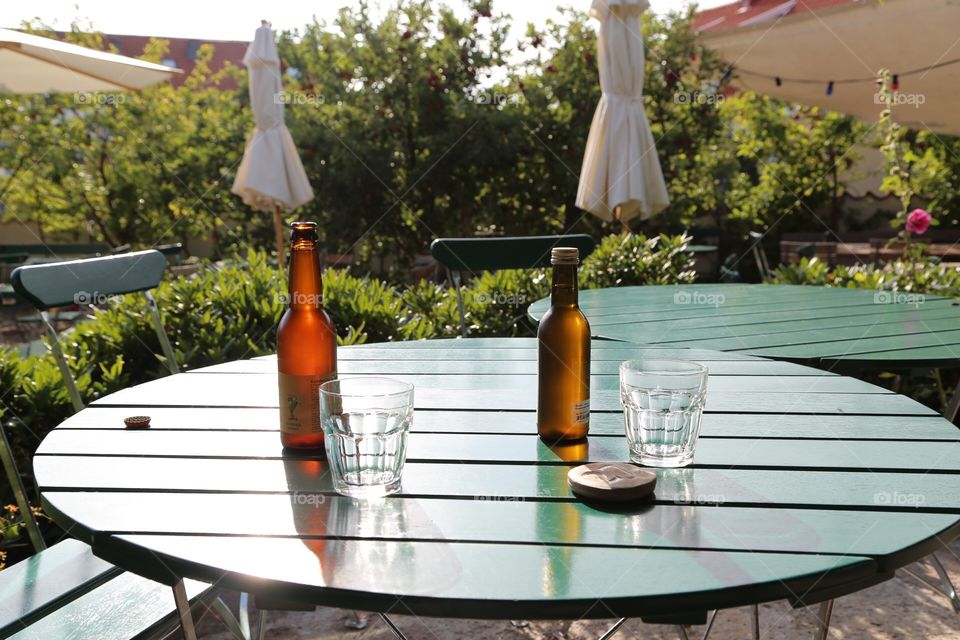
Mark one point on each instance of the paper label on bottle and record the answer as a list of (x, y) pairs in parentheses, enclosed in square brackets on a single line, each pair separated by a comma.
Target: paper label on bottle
[(300, 403), (581, 412)]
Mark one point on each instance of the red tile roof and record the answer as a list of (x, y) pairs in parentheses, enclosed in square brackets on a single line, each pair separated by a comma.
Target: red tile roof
[(735, 14), (182, 51)]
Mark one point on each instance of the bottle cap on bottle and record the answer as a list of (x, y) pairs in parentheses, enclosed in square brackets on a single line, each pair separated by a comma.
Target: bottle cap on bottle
[(564, 255), (303, 230)]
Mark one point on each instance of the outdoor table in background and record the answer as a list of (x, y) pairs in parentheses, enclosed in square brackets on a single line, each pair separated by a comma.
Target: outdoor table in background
[(807, 485), (823, 326)]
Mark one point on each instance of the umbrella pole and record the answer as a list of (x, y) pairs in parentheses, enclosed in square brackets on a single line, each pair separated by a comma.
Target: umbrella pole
[(624, 229), (278, 236)]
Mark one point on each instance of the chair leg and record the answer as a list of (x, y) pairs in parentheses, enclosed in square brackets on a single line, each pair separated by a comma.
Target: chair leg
[(62, 364), (183, 611), (455, 279), (952, 407), (165, 345), (240, 628), (824, 613), (20, 493), (682, 632)]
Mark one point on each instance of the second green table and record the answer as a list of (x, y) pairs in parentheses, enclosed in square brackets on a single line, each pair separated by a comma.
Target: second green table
[(823, 326)]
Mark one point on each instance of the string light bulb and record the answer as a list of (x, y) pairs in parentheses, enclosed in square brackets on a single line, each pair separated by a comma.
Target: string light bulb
[(830, 88)]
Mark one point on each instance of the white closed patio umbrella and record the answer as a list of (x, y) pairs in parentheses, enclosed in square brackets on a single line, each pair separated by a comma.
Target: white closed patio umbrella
[(271, 176), (33, 64), (621, 177)]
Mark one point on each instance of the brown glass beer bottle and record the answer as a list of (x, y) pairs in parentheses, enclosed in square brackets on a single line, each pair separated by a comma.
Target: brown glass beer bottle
[(563, 356), (306, 344)]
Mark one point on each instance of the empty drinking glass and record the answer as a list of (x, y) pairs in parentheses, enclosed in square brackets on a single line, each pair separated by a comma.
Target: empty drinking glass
[(662, 404), (365, 424)]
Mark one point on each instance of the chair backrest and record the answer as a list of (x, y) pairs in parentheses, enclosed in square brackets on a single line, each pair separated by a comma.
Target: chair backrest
[(57, 249), (20, 492), (91, 281), (14, 258), (59, 284), (491, 254), (172, 250)]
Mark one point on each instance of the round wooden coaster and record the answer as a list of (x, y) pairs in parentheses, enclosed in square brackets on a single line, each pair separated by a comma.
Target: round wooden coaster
[(612, 481)]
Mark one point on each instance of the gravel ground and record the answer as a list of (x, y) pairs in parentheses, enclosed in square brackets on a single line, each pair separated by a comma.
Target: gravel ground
[(896, 609)]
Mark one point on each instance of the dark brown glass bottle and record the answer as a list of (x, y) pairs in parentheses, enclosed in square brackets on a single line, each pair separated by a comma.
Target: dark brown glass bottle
[(563, 357), (306, 344)]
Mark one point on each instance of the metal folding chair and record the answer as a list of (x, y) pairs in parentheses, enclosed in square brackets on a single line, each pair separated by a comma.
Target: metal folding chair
[(89, 281), (493, 254)]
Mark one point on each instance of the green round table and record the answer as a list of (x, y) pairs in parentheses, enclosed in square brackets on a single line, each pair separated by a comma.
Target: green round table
[(822, 326), (807, 485)]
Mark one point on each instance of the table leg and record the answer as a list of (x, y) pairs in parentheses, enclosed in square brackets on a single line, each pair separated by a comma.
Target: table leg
[(713, 618), (946, 585), (755, 621), (823, 620), (245, 615), (183, 611), (262, 626), (393, 628), (609, 633)]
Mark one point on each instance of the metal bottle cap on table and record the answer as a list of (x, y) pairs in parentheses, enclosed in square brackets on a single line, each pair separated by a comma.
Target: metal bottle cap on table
[(137, 422)]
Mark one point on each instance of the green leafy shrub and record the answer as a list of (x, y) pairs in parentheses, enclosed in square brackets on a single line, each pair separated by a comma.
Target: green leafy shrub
[(495, 303), (636, 260), (923, 276)]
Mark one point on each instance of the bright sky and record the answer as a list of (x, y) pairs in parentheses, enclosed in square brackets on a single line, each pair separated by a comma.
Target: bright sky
[(237, 19)]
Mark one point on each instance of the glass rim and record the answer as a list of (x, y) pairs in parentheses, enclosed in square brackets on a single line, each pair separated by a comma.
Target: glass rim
[(655, 366), (405, 387)]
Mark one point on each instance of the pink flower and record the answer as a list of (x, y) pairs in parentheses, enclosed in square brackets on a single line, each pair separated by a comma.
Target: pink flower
[(918, 221)]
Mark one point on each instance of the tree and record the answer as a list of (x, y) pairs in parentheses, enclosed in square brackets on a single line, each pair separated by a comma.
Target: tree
[(128, 167)]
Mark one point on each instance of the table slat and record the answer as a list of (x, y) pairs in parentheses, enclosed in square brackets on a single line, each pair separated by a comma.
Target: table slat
[(728, 425), (865, 489)]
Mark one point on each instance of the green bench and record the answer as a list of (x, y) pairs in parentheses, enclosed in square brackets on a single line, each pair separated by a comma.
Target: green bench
[(65, 591)]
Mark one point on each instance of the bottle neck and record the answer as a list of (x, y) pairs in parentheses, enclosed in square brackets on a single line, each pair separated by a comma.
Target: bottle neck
[(564, 291), (306, 282)]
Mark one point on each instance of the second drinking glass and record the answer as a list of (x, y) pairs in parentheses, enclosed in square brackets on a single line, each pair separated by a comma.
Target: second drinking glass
[(662, 406)]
